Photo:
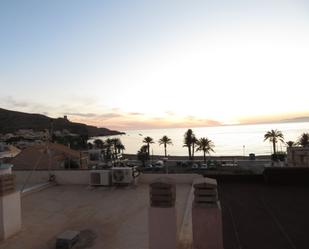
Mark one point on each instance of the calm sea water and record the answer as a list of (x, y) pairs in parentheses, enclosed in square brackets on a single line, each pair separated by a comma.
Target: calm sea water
[(235, 140)]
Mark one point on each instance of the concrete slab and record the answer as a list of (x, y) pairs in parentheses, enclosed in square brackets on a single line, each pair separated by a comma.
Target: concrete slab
[(112, 217)]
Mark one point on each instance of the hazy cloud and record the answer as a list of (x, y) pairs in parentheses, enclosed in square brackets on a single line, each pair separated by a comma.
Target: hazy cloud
[(13, 103), (111, 115), (170, 113), (136, 113), (86, 115)]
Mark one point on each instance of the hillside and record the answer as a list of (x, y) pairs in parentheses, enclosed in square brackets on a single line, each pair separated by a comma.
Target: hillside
[(11, 121)]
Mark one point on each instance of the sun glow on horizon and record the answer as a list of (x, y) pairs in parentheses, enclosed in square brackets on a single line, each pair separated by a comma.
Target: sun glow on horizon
[(158, 65)]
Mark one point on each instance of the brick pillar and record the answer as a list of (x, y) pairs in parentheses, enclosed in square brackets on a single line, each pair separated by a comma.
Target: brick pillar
[(206, 215), (10, 209), (162, 215)]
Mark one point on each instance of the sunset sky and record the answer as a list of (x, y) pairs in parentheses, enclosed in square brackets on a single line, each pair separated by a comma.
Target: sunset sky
[(151, 64)]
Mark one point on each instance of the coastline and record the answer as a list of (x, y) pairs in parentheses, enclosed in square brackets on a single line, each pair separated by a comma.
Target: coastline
[(198, 158)]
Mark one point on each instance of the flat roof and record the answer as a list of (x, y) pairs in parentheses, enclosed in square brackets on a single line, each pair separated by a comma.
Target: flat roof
[(257, 215), (108, 218)]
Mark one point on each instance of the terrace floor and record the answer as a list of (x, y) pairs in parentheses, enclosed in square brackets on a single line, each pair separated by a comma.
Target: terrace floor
[(255, 216), (109, 218)]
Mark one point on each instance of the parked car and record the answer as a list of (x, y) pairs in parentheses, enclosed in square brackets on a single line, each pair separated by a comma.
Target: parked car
[(159, 164), (194, 166), (204, 166)]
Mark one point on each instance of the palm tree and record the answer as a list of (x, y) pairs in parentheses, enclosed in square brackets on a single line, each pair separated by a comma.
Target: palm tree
[(274, 136), (148, 141), (115, 142), (205, 145), (98, 143), (108, 148), (304, 140), (194, 142), (290, 144), (165, 140), (120, 147), (188, 139), (142, 154)]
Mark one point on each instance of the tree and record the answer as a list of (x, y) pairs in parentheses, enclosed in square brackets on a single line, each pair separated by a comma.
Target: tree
[(194, 142), (108, 149), (165, 140), (304, 140), (274, 136), (98, 143), (120, 147), (142, 154), (148, 141), (115, 142), (290, 144), (188, 140), (205, 145), (84, 141)]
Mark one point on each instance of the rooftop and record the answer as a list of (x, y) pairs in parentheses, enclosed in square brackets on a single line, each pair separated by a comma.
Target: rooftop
[(113, 217), (255, 215)]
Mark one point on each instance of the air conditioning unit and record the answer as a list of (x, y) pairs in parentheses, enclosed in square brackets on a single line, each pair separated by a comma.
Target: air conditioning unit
[(100, 178), (122, 175)]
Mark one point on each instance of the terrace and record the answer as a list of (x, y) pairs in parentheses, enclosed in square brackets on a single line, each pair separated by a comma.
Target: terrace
[(255, 214)]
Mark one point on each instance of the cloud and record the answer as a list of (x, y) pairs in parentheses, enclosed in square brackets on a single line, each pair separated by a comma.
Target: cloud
[(111, 118), (136, 113), (170, 113), (11, 102), (93, 116), (126, 121), (86, 115), (110, 115)]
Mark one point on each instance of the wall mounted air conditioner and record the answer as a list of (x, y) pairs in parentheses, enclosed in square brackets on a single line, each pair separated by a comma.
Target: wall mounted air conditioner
[(122, 175), (100, 178)]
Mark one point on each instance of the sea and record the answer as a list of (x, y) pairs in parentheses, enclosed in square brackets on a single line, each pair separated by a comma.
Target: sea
[(229, 140)]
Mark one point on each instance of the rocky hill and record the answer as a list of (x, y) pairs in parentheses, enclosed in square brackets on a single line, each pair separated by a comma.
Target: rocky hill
[(11, 121)]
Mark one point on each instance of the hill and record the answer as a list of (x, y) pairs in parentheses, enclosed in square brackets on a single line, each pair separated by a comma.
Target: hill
[(11, 121), (298, 119)]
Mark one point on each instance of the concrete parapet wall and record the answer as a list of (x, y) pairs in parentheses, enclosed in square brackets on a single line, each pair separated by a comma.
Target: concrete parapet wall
[(30, 177), (10, 215), (176, 178), (62, 176), (82, 177)]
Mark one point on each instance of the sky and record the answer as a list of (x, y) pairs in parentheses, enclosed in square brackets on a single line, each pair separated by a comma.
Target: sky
[(155, 64)]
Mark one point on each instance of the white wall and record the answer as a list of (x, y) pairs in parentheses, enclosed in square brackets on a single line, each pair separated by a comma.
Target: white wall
[(10, 215), (62, 176), (176, 178), (82, 177)]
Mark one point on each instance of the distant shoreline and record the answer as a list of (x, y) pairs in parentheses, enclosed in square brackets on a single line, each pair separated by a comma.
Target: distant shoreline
[(197, 158)]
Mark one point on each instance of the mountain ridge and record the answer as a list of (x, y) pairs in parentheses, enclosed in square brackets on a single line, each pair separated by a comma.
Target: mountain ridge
[(11, 121)]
